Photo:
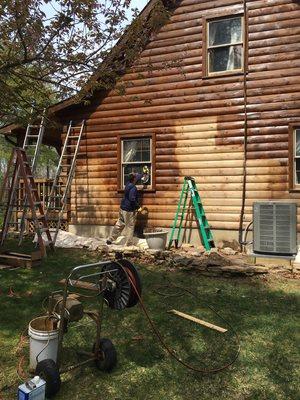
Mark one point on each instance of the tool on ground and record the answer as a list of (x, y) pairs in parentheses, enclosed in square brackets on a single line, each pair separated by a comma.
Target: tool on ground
[(34, 389), (60, 191), (114, 283), (190, 187), (198, 321), (19, 168)]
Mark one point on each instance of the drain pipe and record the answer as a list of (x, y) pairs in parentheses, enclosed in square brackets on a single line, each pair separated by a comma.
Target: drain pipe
[(242, 214)]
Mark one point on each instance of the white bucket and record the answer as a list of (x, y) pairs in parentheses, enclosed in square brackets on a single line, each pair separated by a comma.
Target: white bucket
[(43, 340)]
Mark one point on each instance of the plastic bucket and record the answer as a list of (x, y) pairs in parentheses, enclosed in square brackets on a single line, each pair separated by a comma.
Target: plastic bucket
[(43, 335), (156, 240)]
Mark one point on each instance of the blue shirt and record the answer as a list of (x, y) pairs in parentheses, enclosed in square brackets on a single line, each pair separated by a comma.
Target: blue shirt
[(130, 199)]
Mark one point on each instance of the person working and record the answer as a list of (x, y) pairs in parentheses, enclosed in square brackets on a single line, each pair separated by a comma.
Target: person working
[(128, 210)]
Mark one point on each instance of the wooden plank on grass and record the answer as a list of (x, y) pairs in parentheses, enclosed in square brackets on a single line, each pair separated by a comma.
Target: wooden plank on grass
[(198, 321)]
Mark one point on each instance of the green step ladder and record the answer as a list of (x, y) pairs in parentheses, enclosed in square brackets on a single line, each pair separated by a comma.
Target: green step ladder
[(189, 186)]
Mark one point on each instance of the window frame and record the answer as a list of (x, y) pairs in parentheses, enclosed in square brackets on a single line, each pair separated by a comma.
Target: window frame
[(293, 187), (205, 43), (120, 139)]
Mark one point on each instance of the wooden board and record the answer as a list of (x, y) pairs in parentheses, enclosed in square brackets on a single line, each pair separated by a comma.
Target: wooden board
[(20, 260), (198, 321)]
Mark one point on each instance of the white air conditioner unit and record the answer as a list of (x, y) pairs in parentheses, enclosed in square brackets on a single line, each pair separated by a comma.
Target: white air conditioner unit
[(275, 228)]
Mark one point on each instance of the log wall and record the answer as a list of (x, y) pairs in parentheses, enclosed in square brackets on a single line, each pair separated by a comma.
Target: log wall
[(198, 123)]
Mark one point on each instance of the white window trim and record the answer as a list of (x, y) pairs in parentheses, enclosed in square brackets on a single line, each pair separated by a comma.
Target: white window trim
[(136, 162), (208, 47)]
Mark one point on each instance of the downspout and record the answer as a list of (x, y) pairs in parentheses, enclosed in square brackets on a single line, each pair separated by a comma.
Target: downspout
[(242, 214)]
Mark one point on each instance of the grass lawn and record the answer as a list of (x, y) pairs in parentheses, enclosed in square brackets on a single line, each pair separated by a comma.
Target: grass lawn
[(263, 312)]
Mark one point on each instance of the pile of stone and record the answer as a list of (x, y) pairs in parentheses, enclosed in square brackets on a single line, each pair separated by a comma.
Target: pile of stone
[(224, 260)]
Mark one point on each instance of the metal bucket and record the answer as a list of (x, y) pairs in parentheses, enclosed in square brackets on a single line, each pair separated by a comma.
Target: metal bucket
[(156, 240)]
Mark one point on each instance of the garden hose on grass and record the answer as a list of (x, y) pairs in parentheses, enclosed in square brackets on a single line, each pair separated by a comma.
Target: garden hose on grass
[(171, 351), (157, 332)]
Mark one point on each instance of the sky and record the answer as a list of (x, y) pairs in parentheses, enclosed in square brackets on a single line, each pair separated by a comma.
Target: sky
[(139, 4)]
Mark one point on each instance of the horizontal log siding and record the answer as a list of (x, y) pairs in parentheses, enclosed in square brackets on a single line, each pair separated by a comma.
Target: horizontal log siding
[(199, 123)]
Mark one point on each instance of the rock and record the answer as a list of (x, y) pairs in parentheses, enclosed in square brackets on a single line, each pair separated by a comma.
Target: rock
[(182, 261), (153, 252), (228, 251), (186, 247), (233, 244), (212, 251), (201, 249), (216, 259), (195, 254)]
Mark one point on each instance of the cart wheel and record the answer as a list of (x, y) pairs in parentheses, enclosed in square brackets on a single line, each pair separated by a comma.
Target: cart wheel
[(48, 370), (107, 355)]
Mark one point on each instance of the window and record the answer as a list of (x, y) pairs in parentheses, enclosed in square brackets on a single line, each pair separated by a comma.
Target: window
[(224, 45), (295, 157), (136, 153)]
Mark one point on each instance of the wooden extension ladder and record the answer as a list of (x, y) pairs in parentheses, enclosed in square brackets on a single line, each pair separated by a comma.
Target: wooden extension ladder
[(60, 190), (190, 187), (33, 140), (19, 168)]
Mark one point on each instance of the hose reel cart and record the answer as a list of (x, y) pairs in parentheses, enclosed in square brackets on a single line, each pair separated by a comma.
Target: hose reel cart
[(114, 283)]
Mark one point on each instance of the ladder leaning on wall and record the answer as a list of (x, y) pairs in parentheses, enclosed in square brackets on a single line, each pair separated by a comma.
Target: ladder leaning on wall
[(19, 168), (59, 193), (33, 140)]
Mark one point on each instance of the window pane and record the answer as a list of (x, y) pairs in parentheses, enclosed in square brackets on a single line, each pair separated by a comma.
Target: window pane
[(297, 143), (146, 150), (226, 58), (297, 174), (136, 168), (225, 31), (131, 150), (136, 150)]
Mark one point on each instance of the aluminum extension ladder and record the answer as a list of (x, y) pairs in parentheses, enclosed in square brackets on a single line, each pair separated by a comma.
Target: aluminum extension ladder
[(19, 168), (59, 193), (190, 187)]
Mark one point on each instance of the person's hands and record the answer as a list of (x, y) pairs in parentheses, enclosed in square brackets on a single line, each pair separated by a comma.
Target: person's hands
[(140, 209)]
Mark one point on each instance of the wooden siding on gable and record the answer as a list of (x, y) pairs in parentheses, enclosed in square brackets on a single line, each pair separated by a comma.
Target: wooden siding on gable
[(198, 123)]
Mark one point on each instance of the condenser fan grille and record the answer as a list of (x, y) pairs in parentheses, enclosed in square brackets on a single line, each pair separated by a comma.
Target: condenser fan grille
[(275, 227)]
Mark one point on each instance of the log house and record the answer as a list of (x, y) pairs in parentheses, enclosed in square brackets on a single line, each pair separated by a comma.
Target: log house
[(215, 94)]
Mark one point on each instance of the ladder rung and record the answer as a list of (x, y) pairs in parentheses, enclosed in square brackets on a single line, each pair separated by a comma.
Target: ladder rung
[(73, 137), (32, 136), (33, 126)]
